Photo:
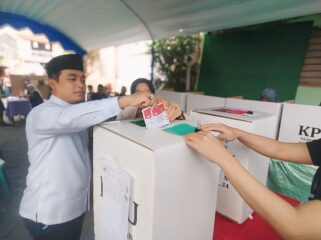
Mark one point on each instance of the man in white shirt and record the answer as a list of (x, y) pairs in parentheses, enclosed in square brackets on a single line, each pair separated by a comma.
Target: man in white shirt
[(58, 180)]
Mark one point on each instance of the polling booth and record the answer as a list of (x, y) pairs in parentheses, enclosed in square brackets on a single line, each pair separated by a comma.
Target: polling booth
[(177, 97), (229, 202), (197, 101), (148, 184), (299, 123)]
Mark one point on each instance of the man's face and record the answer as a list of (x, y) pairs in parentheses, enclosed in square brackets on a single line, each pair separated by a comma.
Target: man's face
[(70, 87)]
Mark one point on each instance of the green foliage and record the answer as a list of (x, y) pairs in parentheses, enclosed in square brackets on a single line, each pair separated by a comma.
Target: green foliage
[(174, 57)]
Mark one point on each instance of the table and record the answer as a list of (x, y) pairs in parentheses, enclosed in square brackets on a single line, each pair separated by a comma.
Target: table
[(251, 229), (18, 107)]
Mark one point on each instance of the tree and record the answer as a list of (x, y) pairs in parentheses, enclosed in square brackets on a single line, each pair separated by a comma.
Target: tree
[(176, 62)]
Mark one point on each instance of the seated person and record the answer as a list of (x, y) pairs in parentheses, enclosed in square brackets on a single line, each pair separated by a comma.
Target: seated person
[(123, 91), (34, 95), (90, 92), (173, 111), (100, 94), (290, 222), (269, 95)]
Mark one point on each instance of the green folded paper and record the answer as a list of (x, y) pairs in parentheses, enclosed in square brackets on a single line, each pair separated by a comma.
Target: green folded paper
[(181, 129), (139, 122)]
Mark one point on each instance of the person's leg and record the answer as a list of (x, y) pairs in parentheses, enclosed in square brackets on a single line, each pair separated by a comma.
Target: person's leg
[(65, 231), (2, 108), (35, 229), (1, 117)]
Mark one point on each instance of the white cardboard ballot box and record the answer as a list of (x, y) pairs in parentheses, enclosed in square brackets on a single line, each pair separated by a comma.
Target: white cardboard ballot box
[(197, 101), (173, 191), (261, 106), (229, 202), (300, 123)]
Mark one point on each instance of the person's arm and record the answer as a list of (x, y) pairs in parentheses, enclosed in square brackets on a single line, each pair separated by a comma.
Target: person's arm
[(138, 99), (291, 152), (76, 117), (290, 222), (48, 119)]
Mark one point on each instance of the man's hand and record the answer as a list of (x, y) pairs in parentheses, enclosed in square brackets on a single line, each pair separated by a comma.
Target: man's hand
[(138, 99)]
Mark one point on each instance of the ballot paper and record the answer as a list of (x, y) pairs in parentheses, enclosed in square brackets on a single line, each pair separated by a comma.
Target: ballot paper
[(115, 191), (155, 117)]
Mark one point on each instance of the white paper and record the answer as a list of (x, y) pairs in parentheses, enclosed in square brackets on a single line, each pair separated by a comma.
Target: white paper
[(115, 191)]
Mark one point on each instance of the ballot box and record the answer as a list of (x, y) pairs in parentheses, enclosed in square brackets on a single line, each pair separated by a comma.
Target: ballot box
[(267, 107), (176, 97), (197, 101), (172, 190), (229, 202)]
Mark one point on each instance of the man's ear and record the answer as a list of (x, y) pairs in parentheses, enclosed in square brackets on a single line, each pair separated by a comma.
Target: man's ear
[(52, 83)]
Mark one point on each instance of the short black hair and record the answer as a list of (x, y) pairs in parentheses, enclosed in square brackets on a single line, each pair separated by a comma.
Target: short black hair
[(142, 80)]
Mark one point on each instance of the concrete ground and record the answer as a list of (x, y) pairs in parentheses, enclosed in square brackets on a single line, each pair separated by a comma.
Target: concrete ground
[(13, 146)]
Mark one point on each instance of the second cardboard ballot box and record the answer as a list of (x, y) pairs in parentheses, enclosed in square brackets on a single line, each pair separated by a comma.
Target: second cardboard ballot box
[(229, 202), (173, 191)]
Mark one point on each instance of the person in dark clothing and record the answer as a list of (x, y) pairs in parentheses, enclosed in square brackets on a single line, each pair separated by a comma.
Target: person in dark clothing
[(100, 94), (90, 91), (34, 95), (123, 91), (269, 95), (289, 221), (2, 108)]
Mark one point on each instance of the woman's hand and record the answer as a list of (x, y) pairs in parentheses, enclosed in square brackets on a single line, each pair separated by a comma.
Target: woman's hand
[(209, 146), (173, 111), (226, 132)]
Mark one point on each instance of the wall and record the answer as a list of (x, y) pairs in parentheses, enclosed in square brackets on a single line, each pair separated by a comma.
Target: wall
[(308, 95), (245, 62)]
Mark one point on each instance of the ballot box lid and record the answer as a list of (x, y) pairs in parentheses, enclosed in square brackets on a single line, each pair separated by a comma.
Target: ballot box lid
[(153, 138), (235, 113)]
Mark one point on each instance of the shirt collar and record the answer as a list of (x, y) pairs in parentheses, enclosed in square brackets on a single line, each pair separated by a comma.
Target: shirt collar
[(59, 101)]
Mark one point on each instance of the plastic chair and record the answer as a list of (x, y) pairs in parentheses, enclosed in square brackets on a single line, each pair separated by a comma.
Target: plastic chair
[(4, 179)]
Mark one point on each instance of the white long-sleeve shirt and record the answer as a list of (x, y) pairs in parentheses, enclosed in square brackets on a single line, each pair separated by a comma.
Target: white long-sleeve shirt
[(127, 113), (58, 180)]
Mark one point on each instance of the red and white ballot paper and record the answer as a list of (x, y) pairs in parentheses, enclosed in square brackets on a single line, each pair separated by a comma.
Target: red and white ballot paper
[(155, 117)]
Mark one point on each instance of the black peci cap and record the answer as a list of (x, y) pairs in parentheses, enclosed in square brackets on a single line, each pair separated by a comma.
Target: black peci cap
[(68, 61)]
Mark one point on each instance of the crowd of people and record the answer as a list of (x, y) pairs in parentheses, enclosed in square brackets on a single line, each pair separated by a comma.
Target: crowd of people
[(103, 92)]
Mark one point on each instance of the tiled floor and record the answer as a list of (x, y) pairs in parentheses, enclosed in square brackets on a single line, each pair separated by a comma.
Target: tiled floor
[(14, 148)]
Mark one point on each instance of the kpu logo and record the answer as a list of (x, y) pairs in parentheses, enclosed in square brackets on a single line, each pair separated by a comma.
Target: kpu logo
[(307, 131)]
